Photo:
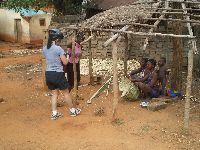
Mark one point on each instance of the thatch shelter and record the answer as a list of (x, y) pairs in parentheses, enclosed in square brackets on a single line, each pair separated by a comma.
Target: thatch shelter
[(135, 28)]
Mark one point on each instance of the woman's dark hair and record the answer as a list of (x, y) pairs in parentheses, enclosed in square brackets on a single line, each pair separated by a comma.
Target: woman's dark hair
[(54, 34), (145, 60), (152, 61), (49, 43), (164, 59)]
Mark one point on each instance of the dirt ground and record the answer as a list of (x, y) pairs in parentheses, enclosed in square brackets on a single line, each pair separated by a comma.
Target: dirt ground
[(25, 110)]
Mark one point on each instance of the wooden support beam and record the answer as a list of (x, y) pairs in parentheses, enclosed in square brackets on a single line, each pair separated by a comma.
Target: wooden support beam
[(74, 67), (135, 24), (183, 1), (88, 39), (115, 78), (155, 24), (171, 9), (188, 89), (126, 50), (114, 37), (133, 33), (180, 20), (175, 13), (191, 52), (90, 61), (138, 3), (190, 30)]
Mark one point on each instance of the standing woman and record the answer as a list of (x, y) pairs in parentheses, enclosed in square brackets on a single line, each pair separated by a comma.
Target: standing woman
[(69, 67), (55, 78)]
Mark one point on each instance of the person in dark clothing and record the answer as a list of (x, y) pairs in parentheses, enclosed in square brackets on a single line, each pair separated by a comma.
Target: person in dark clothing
[(69, 67), (149, 84), (139, 73)]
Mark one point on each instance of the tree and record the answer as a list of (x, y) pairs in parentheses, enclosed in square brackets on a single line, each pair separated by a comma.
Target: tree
[(62, 7)]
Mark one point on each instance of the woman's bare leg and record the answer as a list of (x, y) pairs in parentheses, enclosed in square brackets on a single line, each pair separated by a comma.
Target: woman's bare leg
[(54, 100), (68, 98)]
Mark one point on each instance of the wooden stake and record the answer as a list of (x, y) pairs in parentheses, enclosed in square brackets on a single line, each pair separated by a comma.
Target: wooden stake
[(188, 89), (90, 62), (189, 76), (115, 78), (74, 67), (126, 50)]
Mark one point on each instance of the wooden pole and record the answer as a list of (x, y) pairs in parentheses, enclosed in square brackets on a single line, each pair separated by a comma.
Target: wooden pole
[(90, 61), (176, 74), (155, 24), (135, 24), (126, 50), (88, 39), (189, 76), (171, 9), (184, 1), (115, 78), (176, 20), (190, 30), (74, 67), (133, 33), (114, 37), (188, 89)]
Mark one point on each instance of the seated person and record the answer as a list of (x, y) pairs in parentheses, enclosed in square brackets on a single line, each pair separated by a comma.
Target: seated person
[(140, 72), (162, 72), (149, 84)]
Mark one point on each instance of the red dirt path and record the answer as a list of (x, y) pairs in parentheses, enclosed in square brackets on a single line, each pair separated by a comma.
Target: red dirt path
[(25, 118)]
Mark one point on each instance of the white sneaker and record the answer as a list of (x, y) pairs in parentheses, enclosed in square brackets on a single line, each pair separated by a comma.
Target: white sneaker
[(144, 104), (56, 116), (76, 112)]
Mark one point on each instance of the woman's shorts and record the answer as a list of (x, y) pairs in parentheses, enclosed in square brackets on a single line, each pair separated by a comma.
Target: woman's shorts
[(56, 80)]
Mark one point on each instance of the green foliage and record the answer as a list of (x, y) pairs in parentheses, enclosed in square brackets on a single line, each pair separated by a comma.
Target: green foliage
[(62, 7), (19, 4)]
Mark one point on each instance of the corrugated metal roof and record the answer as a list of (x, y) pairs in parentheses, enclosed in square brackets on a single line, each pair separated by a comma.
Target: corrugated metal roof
[(29, 12)]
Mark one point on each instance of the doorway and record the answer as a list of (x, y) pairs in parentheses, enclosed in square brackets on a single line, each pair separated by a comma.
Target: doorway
[(18, 30)]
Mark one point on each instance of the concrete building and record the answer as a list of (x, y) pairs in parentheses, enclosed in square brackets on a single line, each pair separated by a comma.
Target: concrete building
[(25, 27)]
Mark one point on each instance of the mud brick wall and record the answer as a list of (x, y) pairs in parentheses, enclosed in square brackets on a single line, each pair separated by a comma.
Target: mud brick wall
[(157, 47)]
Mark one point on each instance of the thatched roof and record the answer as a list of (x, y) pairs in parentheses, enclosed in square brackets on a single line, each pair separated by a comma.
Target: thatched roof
[(122, 14), (108, 4)]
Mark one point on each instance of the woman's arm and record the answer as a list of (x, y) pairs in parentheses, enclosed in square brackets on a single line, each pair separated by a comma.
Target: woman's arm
[(154, 79), (141, 79), (64, 59), (136, 71)]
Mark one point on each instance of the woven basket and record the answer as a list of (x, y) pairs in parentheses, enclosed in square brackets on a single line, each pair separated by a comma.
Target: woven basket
[(130, 91)]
